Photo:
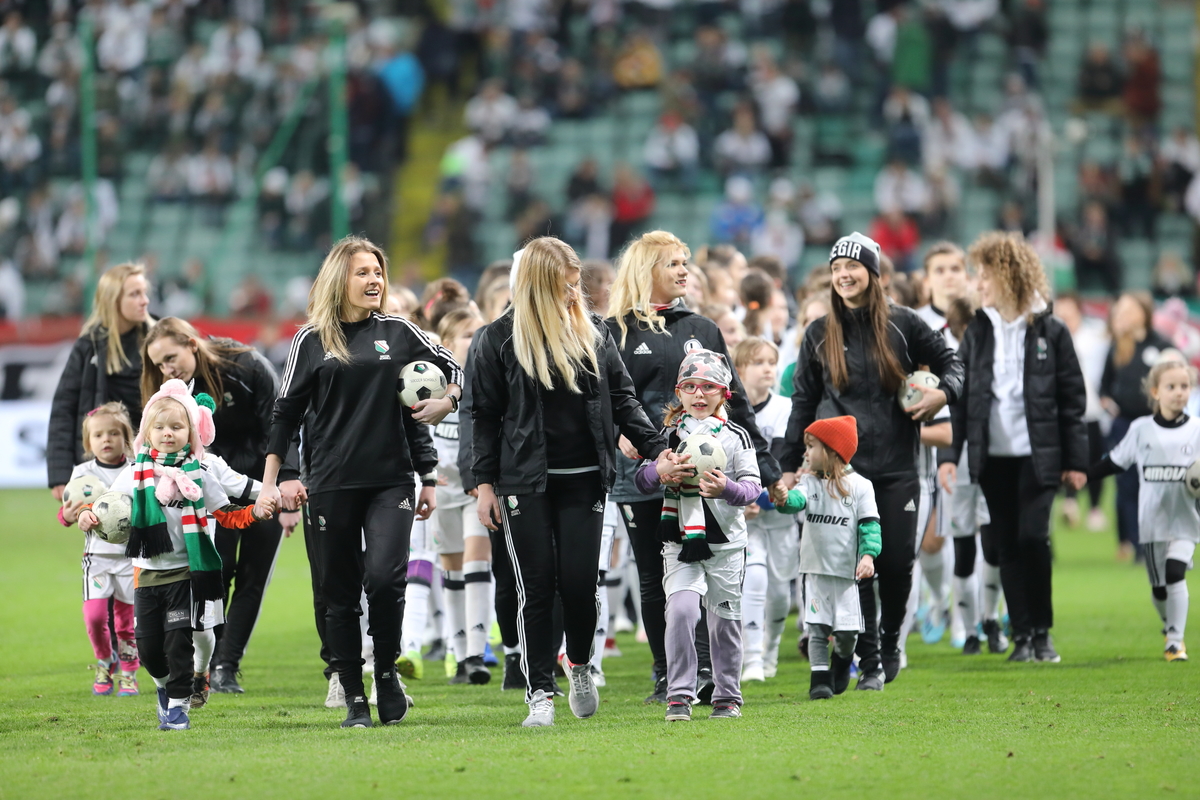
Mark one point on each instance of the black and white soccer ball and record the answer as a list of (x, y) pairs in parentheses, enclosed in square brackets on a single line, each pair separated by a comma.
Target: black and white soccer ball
[(421, 380), (84, 488), (706, 452), (113, 510), (1192, 479), (908, 396)]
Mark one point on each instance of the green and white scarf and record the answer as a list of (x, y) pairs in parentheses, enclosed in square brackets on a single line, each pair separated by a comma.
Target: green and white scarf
[(682, 517)]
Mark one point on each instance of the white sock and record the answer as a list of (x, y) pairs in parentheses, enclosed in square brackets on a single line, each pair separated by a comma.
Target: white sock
[(991, 591), (779, 603), (161, 683), (933, 566), (436, 627), (1161, 607), (416, 616), (616, 594), (966, 594), (754, 613), (364, 627), (508, 651), (601, 622), (477, 576), (203, 644), (910, 611), (455, 597), (1177, 610)]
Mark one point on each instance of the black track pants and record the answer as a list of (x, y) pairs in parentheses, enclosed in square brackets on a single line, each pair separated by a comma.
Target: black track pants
[(1020, 534), (506, 590), (319, 607), (247, 559), (897, 499), (553, 542), (344, 519), (164, 617)]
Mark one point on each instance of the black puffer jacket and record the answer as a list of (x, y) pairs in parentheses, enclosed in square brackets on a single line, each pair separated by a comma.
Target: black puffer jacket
[(653, 359), (887, 437), (508, 434), (84, 385), (1055, 399)]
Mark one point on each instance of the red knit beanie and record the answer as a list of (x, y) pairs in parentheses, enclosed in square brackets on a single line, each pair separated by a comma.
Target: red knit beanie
[(839, 434)]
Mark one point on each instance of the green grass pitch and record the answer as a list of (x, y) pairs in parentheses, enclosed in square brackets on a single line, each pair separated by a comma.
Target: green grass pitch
[(1112, 720)]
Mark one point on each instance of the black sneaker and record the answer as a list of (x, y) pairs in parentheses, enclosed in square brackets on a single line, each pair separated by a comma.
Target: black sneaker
[(1022, 649), (802, 646), (477, 673), (223, 680), (840, 670), (820, 686), (437, 651), (891, 664), (726, 711), (679, 709), (997, 641), (704, 686), (460, 674), (870, 683), (972, 646), (358, 712), (1043, 648), (393, 704), (514, 678), (660, 691)]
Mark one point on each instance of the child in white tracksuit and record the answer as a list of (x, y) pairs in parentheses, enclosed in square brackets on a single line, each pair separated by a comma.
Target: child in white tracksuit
[(705, 534)]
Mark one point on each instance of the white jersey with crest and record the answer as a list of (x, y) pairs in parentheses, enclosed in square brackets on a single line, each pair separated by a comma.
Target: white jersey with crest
[(1162, 455), (106, 474), (829, 545), (242, 490), (772, 422)]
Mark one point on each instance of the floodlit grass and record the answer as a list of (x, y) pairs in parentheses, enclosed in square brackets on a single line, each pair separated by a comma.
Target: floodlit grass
[(1112, 720)]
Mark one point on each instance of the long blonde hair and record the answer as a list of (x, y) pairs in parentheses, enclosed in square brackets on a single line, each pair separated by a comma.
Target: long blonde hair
[(635, 279), (106, 313), (545, 329), (327, 301)]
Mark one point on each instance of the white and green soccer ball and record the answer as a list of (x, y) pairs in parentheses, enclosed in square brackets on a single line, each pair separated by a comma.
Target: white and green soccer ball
[(1192, 480), (419, 381), (706, 452), (908, 396), (113, 510), (84, 488)]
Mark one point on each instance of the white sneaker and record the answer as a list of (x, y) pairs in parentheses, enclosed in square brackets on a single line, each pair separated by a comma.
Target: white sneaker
[(541, 711), (584, 699), (753, 672), (622, 624), (903, 660), (770, 670), (336, 698), (598, 677)]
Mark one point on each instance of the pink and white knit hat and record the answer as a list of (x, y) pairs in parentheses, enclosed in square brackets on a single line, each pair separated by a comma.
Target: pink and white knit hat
[(203, 428)]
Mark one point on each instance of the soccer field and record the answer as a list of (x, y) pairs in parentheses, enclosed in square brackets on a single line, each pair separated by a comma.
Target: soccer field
[(1112, 720)]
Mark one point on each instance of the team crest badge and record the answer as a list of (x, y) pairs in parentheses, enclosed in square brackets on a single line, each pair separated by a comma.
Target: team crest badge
[(381, 346), (692, 344)]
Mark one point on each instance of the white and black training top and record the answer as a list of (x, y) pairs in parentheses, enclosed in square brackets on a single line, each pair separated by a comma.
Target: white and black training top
[(356, 435), (772, 419), (446, 440), (1163, 451), (829, 545), (93, 544)]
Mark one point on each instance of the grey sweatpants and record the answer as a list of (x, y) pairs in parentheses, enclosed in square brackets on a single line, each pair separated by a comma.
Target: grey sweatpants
[(818, 645), (725, 641)]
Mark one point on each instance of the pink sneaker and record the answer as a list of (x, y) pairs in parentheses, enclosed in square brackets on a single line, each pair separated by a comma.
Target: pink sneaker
[(127, 686), (103, 683)]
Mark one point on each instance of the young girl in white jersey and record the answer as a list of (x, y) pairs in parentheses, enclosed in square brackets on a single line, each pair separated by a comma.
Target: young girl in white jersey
[(773, 549), (108, 439), (840, 543), (177, 569), (705, 533), (1163, 446)]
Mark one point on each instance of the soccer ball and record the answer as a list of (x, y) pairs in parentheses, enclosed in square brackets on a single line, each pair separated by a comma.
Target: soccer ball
[(1192, 480), (421, 380), (84, 488), (706, 452), (908, 396), (113, 510)]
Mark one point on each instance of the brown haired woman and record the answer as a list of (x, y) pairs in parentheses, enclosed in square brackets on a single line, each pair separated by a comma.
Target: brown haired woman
[(852, 362), (105, 364), (243, 384)]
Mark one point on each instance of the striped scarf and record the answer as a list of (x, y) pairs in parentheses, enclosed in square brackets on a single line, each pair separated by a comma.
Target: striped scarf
[(682, 517), (160, 479)]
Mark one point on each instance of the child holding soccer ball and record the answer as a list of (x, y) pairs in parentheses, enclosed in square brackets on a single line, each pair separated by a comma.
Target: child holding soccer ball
[(177, 565), (108, 439), (1163, 446), (704, 530), (840, 543)]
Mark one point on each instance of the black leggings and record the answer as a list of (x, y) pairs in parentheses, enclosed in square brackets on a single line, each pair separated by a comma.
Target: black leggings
[(319, 607), (247, 559), (964, 552), (1020, 533), (506, 590), (641, 523), (343, 518), (553, 544), (897, 499)]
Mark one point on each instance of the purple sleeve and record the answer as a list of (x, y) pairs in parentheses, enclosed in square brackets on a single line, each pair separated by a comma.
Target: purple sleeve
[(646, 478), (741, 493)]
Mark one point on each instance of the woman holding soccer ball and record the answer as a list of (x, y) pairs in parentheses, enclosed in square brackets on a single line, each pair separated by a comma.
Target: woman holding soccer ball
[(548, 388), (852, 362), (244, 386), (105, 365), (360, 445)]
